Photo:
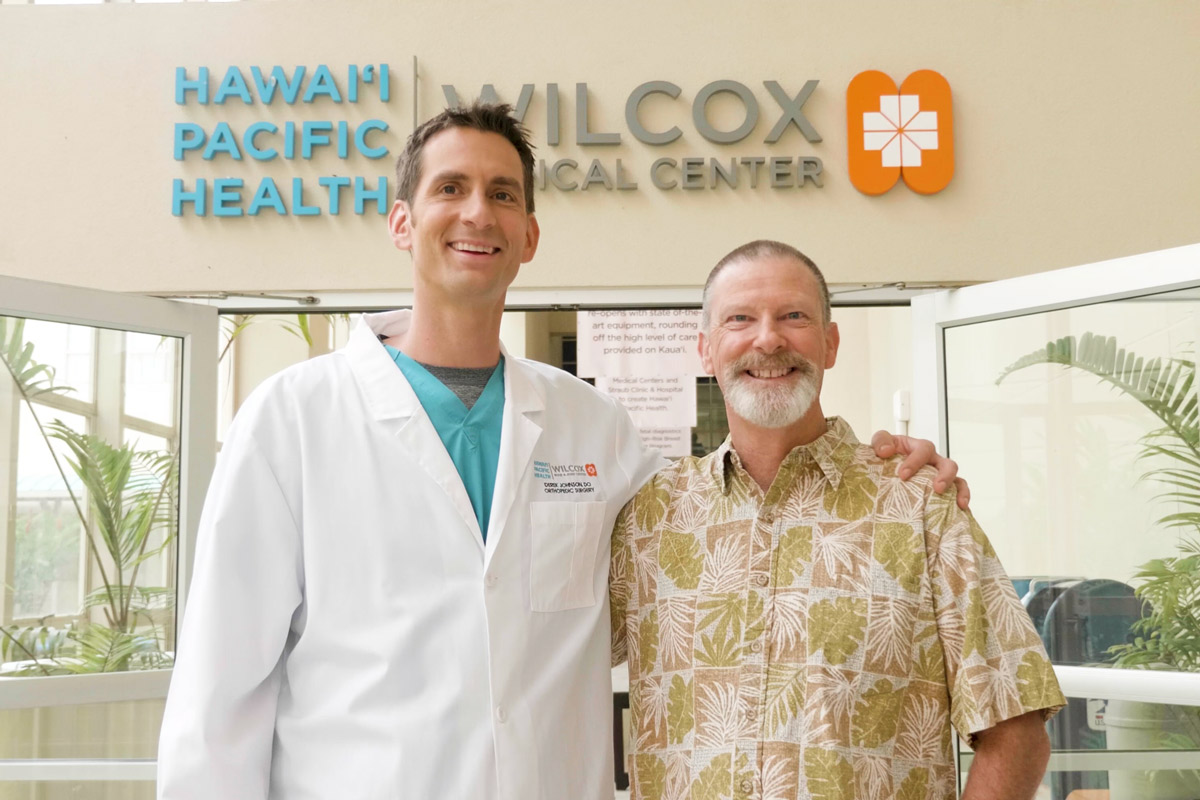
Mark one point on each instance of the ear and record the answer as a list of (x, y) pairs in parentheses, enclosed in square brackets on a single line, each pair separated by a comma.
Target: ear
[(533, 234), (400, 225), (702, 345), (832, 340)]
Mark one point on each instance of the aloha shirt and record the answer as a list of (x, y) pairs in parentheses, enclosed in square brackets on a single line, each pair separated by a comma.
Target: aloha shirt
[(816, 640)]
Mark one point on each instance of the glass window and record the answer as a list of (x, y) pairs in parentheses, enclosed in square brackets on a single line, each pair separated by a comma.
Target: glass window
[(1078, 431), (150, 385), (87, 548)]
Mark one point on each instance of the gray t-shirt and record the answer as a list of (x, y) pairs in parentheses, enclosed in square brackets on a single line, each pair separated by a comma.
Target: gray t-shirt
[(466, 382)]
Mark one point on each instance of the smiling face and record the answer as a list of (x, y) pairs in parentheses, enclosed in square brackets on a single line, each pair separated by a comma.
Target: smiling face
[(467, 226), (767, 342)]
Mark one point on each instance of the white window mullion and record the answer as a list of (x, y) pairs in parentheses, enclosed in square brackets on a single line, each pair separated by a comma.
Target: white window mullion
[(10, 418)]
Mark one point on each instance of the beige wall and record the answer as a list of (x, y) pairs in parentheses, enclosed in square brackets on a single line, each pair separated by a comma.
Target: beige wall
[(1075, 135)]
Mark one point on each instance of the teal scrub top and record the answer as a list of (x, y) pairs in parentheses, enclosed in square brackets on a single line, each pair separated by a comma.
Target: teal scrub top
[(470, 436)]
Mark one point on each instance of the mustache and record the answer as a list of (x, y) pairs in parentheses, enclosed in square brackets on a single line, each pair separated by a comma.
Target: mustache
[(757, 361)]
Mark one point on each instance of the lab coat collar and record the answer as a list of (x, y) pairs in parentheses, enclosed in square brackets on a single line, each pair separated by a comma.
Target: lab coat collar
[(392, 400), (387, 393)]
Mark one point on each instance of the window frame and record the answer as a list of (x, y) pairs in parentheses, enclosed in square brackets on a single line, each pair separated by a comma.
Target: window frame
[(196, 328)]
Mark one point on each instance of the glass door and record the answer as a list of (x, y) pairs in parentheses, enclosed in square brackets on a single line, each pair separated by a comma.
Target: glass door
[(107, 440), (1069, 399)]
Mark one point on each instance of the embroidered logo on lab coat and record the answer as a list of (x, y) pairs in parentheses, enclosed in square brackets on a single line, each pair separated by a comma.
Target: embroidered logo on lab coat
[(565, 478)]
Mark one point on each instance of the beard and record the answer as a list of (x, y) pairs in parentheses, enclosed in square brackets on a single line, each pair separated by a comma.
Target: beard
[(770, 406)]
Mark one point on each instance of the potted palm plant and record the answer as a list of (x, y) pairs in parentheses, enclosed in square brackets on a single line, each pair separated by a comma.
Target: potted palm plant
[(128, 518), (1168, 636)]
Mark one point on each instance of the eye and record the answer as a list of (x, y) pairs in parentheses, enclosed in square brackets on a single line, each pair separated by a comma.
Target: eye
[(505, 196), (448, 188), (740, 318), (796, 315)]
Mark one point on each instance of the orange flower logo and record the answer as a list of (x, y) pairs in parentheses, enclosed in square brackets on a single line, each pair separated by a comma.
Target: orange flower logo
[(591, 469), (900, 132)]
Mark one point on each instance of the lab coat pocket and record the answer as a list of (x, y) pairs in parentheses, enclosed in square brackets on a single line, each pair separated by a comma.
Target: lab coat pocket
[(563, 547)]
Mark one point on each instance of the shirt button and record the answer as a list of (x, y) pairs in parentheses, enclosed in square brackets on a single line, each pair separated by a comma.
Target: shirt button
[(501, 715), (472, 438), (768, 517), (490, 580), (762, 579), (751, 714), (747, 786), (756, 647)]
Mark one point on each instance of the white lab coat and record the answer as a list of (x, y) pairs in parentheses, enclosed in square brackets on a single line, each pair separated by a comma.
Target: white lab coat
[(348, 634)]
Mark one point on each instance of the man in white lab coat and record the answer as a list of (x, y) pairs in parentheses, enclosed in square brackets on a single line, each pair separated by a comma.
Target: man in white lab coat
[(400, 587)]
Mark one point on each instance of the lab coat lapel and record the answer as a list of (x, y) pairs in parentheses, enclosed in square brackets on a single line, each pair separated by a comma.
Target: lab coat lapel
[(395, 406), (524, 406)]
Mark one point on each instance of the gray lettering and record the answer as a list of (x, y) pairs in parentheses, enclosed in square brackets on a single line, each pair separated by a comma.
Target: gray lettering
[(753, 162), (791, 111), (488, 95), (700, 114), (810, 168), (656, 179), (623, 182), (693, 173), (717, 169), (781, 172), (597, 174), (552, 123), (556, 174), (631, 112), (582, 134)]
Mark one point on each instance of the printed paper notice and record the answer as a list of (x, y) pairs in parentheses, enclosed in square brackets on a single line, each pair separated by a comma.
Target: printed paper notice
[(671, 442), (655, 402), (638, 343)]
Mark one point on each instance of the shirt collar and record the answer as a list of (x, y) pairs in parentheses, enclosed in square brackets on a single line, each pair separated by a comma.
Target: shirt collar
[(832, 452)]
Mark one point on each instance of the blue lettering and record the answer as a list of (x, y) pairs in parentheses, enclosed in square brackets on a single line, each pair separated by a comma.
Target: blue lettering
[(266, 88), (267, 194), (362, 194), (289, 140), (343, 140), (183, 86), (322, 83), (312, 134), (298, 207), (234, 83), (225, 192), (188, 136), (385, 85), (196, 198), (360, 138), (222, 141), (352, 84), (335, 185), (250, 147)]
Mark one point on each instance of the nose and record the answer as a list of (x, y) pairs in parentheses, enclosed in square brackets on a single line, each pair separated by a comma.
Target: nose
[(767, 338), (477, 210)]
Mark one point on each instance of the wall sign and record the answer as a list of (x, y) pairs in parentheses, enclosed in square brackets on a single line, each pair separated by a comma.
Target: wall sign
[(269, 140), (894, 132)]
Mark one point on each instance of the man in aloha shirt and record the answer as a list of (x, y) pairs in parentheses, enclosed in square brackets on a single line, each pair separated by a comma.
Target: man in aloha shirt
[(799, 622)]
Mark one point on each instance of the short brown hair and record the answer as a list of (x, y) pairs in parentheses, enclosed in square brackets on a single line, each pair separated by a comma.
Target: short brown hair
[(761, 248), (486, 117)]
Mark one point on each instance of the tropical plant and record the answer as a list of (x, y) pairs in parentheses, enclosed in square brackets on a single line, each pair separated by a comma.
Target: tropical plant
[(1169, 635), (131, 500)]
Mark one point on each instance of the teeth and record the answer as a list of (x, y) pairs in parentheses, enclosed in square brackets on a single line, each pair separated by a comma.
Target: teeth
[(472, 248), (769, 373)]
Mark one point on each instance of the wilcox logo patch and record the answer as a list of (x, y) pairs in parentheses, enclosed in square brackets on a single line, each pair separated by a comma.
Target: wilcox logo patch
[(905, 132), (545, 470)]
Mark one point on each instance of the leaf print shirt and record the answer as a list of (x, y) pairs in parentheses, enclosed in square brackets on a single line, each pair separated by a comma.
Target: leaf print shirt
[(816, 640)]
